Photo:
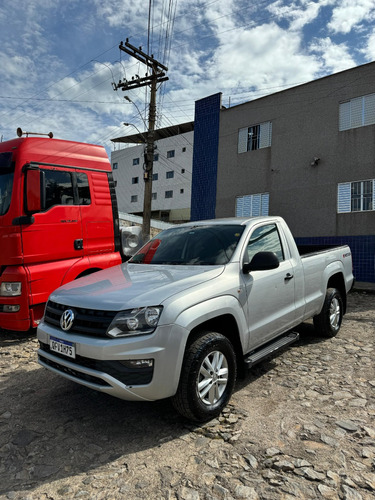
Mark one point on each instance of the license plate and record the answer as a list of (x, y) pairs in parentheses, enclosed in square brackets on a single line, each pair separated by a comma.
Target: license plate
[(62, 347)]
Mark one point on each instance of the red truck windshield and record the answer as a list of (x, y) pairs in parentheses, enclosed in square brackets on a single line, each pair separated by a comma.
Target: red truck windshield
[(192, 245)]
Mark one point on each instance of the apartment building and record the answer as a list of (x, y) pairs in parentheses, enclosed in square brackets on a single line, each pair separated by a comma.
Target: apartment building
[(172, 173), (306, 153)]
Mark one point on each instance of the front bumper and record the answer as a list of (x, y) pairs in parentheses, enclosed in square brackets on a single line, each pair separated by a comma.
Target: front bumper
[(98, 363)]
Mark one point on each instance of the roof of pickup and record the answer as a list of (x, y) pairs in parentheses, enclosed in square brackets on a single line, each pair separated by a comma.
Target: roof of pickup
[(229, 220)]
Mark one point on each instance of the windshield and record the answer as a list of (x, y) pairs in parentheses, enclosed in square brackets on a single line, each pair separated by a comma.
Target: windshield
[(6, 185), (193, 245)]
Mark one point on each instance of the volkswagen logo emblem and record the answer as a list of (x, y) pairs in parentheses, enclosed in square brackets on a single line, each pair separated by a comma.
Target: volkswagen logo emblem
[(66, 320)]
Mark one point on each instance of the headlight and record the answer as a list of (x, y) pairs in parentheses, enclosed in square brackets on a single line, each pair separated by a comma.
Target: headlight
[(10, 289), (138, 321)]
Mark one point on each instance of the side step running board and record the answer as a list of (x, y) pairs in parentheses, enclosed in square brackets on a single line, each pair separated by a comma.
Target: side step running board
[(257, 356)]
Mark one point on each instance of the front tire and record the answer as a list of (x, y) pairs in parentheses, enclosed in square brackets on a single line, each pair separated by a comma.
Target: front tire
[(208, 375), (328, 322)]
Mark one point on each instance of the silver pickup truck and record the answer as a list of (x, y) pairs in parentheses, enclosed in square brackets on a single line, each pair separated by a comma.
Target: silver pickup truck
[(191, 309)]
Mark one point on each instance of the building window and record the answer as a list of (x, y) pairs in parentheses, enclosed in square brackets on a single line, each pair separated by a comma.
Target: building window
[(155, 177), (170, 154), (356, 196), (182, 190), (134, 198), (115, 166), (135, 180), (156, 157), (184, 150), (182, 171), (252, 205), (170, 174), (254, 137), (135, 161), (357, 112), (169, 194), (154, 196)]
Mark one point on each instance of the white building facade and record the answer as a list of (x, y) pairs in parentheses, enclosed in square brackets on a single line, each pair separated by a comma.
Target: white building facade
[(172, 174)]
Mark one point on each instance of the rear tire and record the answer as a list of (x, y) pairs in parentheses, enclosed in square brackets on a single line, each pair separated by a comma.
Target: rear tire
[(328, 322), (207, 378)]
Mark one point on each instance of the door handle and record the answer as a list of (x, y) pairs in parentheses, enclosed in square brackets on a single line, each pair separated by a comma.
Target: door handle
[(288, 277), (78, 244)]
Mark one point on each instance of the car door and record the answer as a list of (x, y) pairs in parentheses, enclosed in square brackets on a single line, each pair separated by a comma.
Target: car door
[(52, 243), (271, 293)]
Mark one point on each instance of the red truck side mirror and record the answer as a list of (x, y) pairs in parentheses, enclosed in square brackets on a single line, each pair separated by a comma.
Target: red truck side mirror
[(33, 197)]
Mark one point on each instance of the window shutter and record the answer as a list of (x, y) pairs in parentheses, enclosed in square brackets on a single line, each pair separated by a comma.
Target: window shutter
[(369, 111), (252, 205), (247, 206), (344, 116), (356, 115), (255, 205), (239, 206), (344, 197), (243, 206), (265, 135), (265, 204), (242, 140)]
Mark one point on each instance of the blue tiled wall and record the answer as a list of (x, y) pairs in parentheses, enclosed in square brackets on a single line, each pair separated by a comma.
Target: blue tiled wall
[(363, 252), (205, 155)]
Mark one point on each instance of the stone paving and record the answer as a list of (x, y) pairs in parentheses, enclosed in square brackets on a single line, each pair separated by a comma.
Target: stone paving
[(299, 426)]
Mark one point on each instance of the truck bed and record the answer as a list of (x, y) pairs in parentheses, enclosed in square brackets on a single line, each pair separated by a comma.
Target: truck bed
[(307, 250)]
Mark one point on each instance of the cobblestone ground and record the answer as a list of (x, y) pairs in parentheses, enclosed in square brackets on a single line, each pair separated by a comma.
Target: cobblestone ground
[(301, 425)]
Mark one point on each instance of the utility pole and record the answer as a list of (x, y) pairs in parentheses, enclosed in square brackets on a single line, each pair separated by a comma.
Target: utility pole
[(157, 76)]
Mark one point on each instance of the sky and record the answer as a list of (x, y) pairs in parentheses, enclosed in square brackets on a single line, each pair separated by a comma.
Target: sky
[(60, 59)]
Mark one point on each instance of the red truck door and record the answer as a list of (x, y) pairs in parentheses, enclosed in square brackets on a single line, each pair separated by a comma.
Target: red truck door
[(53, 241), (97, 215)]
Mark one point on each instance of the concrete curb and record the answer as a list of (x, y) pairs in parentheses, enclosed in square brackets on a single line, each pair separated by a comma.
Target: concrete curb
[(363, 287)]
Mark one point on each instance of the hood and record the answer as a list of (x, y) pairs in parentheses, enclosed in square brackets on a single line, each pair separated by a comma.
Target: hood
[(132, 285)]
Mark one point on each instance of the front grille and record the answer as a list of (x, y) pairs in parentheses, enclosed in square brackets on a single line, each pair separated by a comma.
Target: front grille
[(86, 321), (125, 374)]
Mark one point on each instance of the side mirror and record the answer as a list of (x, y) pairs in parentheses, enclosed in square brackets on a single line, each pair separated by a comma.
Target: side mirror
[(262, 261), (131, 240), (33, 199)]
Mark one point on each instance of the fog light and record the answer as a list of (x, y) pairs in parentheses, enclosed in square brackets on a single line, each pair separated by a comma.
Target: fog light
[(138, 363), (11, 309)]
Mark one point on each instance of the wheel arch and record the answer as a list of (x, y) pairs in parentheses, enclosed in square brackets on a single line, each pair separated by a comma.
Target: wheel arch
[(337, 281), (225, 324), (87, 272)]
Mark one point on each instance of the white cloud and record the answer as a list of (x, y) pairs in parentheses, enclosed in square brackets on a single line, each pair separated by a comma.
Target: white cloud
[(336, 57), (370, 49), (50, 78), (263, 56), (349, 14), (298, 13)]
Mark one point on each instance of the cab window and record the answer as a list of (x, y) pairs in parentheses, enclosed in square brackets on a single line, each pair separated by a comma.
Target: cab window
[(84, 197), (58, 188), (65, 188), (265, 239)]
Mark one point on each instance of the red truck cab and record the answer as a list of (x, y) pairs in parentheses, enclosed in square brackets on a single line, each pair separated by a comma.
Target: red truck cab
[(58, 222)]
